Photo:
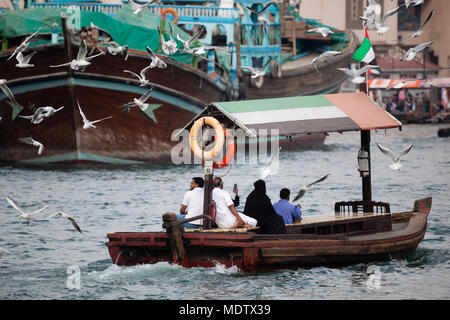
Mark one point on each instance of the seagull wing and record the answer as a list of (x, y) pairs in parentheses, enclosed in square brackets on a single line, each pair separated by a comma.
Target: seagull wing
[(265, 171), (61, 65), (388, 152), (94, 56), (422, 46), (27, 140), (366, 68), (196, 36), (266, 6), (252, 70), (8, 93), (81, 112), (143, 71), (426, 20), (389, 13), (405, 151), (106, 118), (37, 211), (303, 190), (14, 204), (251, 10), (146, 95), (134, 74), (74, 224), (29, 38), (82, 51), (28, 57)]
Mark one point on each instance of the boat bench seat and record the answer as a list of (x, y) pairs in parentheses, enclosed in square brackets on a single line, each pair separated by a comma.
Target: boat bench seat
[(361, 206)]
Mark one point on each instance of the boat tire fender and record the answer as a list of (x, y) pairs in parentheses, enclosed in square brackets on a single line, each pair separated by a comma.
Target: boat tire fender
[(172, 11), (219, 133), (275, 69), (257, 82)]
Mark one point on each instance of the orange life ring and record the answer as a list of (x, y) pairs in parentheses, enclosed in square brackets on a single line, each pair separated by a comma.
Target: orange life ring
[(218, 129), (172, 11), (231, 150)]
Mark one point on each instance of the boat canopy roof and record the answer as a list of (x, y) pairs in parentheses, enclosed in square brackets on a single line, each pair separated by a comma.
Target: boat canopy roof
[(303, 114)]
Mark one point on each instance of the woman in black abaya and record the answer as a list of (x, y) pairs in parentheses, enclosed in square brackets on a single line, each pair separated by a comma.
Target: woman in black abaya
[(259, 206)]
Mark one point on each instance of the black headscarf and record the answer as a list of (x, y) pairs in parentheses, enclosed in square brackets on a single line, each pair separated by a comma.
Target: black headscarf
[(259, 206)]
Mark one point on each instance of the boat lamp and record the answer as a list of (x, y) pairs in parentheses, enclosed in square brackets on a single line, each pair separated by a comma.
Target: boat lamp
[(363, 163)]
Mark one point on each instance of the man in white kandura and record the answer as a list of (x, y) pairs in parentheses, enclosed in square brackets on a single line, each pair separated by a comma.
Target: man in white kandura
[(226, 215), (192, 204)]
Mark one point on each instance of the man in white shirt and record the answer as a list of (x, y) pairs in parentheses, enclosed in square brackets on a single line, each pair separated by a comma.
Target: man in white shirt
[(226, 215), (192, 204)]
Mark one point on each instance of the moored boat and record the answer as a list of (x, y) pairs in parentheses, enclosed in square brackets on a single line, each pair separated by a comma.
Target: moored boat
[(179, 92)]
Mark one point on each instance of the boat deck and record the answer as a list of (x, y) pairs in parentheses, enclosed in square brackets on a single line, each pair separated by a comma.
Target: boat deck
[(306, 220)]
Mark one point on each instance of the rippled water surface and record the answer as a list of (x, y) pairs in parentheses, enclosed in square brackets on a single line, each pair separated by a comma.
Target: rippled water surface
[(37, 261)]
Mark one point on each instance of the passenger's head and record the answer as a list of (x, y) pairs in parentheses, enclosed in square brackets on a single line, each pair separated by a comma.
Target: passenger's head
[(197, 182), (260, 186), (284, 194), (218, 183)]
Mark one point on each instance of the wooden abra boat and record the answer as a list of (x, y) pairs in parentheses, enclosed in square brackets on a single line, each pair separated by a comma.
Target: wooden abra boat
[(338, 239), (357, 231)]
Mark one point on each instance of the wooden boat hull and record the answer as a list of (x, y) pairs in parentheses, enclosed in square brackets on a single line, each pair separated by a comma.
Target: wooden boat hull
[(250, 251)]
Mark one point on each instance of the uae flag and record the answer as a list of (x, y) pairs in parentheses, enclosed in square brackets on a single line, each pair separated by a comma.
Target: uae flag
[(365, 52)]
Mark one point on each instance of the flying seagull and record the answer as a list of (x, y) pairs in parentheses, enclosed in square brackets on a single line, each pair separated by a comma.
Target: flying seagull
[(24, 61), (265, 172), (7, 91), (413, 2), (187, 43), (81, 61), (258, 72), (65, 216), (261, 17), (142, 78), (139, 102), (323, 30), (156, 62), (89, 124), (411, 53), (23, 214), (115, 49), (355, 75), (138, 7), (380, 25), (41, 113), (24, 44), (303, 190), (324, 55), (395, 157), (31, 141), (169, 47), (400, 84), (419, 30)]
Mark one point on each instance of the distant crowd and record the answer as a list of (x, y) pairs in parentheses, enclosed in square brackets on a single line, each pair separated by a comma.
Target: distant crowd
[(405, 101)]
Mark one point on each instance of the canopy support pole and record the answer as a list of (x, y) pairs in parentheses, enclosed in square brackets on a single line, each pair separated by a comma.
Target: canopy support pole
[(207, 189), (365, 145)]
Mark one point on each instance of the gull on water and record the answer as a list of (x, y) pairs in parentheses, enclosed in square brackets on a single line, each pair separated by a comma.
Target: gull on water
[(303, 190), (265, 171), (413, 2), (395, 157), (31, 141), (24, 60), (139, 102), (116, 49), (419, 30), (256, 73), (187, 43), (323, 30), (156, 62), (65, 216), (81, 61), (379, 26), (142, 78), (168, 47), (138, 7), (24, 44), (23, 214), (324, 55), (7, 91), (261, 17), (41, 113), (354, 74), (411, 53), (89, 124)]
